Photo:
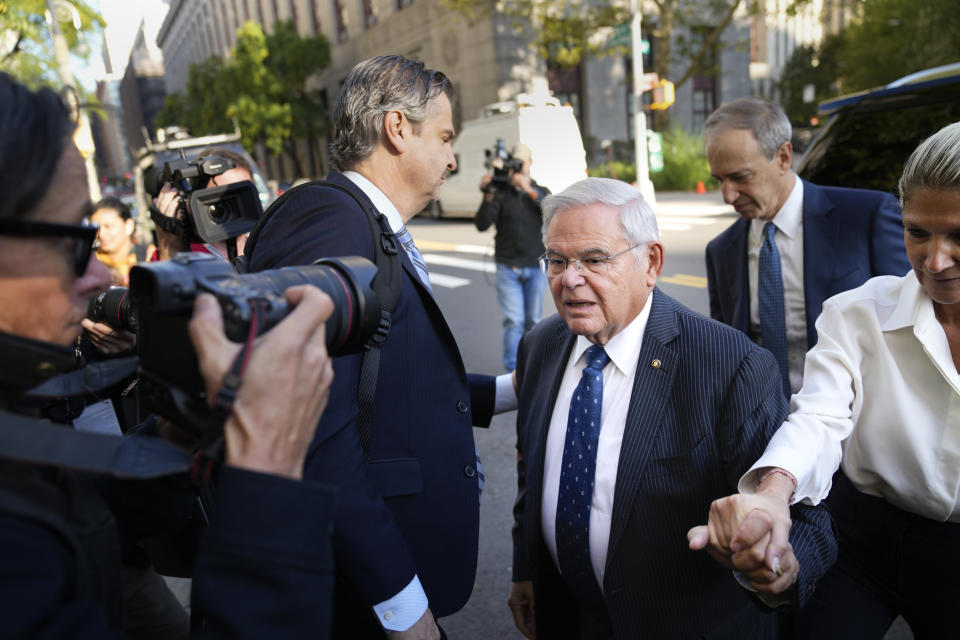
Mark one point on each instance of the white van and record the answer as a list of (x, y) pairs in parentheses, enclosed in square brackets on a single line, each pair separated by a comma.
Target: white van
[(551, 132)]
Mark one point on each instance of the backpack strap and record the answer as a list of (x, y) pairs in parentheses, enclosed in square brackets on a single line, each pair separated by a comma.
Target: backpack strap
[(387, 284)]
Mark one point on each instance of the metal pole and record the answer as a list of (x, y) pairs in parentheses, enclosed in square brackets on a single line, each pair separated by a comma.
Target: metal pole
[(62, 56), (639, 117)]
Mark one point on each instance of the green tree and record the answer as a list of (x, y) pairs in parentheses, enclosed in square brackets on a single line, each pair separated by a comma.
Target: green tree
[(258, 102), (893, 38), (810, 65), (26, 46), (202, 109), (292, 60)]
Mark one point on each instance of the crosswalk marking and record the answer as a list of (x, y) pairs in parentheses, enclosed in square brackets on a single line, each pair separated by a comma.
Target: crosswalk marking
[(460, 263), (448, 282)]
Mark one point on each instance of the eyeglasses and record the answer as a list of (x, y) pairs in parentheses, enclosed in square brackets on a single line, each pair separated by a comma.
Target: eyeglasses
[(594, 263), (83, 235)]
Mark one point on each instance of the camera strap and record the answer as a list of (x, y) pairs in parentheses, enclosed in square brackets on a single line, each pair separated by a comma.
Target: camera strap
[(387, 284), (39, 441), (175, 226)]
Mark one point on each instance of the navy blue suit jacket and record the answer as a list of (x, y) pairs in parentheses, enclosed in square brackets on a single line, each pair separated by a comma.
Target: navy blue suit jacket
[(695, 424), (413, 507), (849, 236)]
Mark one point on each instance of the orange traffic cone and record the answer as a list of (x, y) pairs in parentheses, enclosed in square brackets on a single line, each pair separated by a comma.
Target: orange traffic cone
[(701, 188)]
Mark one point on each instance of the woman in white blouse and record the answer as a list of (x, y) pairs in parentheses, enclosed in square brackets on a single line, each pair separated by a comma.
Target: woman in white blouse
[(881, 400)]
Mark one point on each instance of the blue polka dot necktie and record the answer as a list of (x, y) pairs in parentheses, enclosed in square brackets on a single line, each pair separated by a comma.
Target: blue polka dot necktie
[(773, 322), (576, 480)]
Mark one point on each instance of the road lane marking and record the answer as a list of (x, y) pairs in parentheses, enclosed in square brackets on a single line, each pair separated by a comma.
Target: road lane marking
[(460, 263), (433, 245), (685, 280), (448, 282)]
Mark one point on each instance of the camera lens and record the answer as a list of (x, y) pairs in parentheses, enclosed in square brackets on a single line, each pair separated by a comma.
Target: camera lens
[(113, 307)]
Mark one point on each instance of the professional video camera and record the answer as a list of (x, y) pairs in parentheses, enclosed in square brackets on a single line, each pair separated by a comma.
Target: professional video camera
[(211, 214), (502, 163), (160, 304)]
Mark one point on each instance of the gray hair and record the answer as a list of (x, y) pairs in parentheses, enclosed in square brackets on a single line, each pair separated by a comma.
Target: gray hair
[(934, 165), (373, 88), (766, 120), (636, 217)]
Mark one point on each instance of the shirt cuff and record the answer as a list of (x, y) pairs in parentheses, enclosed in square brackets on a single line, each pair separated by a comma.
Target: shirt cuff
[(400, 612), (773, 601), (751, 479), (506, 399)]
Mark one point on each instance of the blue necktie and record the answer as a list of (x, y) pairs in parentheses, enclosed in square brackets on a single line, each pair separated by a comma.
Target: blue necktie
[(407, 241), (773, 323), (576, 480)]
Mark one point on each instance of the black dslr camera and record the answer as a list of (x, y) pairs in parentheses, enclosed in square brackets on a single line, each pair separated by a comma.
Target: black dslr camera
[(211, 214), (160, 304), (502, 162)]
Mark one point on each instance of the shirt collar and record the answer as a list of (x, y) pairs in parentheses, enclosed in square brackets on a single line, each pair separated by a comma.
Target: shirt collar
[(789, 218), (623, 348), (913, 307), (378, 198)]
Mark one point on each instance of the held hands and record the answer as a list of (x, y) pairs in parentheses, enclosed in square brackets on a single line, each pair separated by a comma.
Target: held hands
[(521, 605), (750, 533), (285, 386)]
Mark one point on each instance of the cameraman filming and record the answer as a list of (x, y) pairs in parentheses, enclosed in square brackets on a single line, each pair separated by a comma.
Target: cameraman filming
[(265, 557), (169, 203), (511, 201)]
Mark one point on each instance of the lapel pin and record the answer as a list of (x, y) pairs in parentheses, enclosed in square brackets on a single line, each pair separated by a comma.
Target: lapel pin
[(655, 363)]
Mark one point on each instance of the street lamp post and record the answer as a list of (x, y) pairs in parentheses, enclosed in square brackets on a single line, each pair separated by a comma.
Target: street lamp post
[(639, 117)]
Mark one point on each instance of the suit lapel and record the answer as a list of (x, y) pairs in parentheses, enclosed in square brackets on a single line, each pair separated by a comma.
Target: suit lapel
[(819, 251), (735, 278), (652, 390), (552, 366)]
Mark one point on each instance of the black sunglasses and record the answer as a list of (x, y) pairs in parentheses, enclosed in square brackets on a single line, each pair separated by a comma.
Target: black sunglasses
[(84, 236)]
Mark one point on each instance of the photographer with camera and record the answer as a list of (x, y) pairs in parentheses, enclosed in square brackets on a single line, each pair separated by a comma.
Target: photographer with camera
[(511, 201), (264, 562), (172, 203)]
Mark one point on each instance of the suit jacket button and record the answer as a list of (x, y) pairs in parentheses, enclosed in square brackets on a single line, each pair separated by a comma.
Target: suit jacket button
[(469, 471), (462, 407)]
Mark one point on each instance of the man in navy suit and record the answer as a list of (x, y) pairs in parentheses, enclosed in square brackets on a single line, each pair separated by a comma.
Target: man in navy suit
[(602, 514), (406, 527), (829, 239)]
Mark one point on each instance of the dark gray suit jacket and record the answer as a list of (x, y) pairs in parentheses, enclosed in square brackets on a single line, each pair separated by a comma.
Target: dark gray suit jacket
[(696, 423)]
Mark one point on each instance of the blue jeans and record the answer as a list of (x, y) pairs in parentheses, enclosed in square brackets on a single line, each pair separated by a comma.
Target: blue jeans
[(520, 295)]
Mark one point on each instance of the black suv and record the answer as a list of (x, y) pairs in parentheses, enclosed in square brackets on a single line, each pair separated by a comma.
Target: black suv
[(868, 135)]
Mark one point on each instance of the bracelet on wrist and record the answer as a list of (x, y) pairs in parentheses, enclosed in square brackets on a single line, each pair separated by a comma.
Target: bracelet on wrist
[(786, 474)]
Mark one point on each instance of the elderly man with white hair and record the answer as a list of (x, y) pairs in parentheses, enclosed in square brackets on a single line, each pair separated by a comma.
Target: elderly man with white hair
[(635, 413)]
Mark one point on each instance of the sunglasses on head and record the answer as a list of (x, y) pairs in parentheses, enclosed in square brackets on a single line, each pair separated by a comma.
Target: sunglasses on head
[(84, 235)]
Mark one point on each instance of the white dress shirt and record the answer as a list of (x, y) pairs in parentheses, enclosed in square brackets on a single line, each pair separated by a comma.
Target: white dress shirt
[(789, 241), (881, 387), (624, 352)]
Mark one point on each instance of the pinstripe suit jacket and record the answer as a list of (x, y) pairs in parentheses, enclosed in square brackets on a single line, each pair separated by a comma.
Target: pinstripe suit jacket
[(694, 425)]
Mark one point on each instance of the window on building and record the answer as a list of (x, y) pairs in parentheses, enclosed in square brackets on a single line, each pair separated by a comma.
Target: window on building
[(314, 17), (403, 3), (567, 87), (340, 19), (705, 82), (369, 15), (293, 15)]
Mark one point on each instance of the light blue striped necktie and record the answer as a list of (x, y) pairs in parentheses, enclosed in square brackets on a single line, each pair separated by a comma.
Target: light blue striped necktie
[(407, 241)]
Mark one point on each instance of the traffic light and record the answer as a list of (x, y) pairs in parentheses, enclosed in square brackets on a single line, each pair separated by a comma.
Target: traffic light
[(662, 95)]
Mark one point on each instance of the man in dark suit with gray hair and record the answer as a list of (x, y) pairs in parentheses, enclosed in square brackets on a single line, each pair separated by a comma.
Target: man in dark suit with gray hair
[(634, 414)]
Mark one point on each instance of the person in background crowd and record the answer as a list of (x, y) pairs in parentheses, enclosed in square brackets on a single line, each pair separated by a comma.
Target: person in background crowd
[(116, 247), (513, 206)]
